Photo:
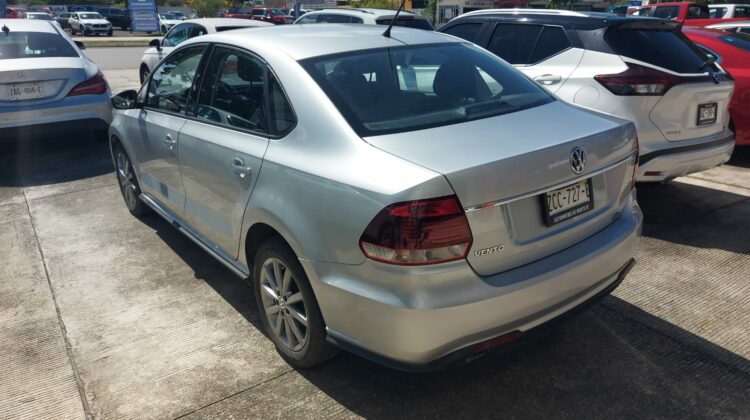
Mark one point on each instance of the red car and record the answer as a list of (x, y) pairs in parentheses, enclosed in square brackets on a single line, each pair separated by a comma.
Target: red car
[(275, 16), (732, 51), (12, 12), (689, 14)]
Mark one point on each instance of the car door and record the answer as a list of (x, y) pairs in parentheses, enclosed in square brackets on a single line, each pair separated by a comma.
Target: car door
[(160, 121), (542, 52), (223, 145)]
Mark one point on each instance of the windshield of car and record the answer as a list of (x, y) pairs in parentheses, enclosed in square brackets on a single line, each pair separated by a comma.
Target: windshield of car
[(34, 45), (90, 16), (39, 16), (738, 39), (407, 22), (393, 90)]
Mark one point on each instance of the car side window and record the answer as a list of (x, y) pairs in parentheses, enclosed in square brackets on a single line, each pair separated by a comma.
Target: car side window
[(666, 12), (197, 30), (233, 92), (514, 43), (282, 115), (552, 42), (354, 19), (717, 12), (177, 35), (467, 31), (170, 85), (333, 19), (697, 12), (309, 19), (741, 12)]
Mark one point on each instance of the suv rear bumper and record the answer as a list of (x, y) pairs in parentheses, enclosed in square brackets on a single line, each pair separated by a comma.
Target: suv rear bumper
[(677, 161), (416, 318)]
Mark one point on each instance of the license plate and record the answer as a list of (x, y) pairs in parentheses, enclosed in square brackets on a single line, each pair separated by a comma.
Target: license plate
[(22, 91), (567, 202), (707, 113)]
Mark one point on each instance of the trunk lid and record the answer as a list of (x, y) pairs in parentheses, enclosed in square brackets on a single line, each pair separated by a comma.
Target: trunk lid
[(36, 81), (500, 168)]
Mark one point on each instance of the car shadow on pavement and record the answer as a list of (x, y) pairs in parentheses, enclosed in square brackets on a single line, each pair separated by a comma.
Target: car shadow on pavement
[(613, 361), (740, 157), (695, 216), (46, 161)]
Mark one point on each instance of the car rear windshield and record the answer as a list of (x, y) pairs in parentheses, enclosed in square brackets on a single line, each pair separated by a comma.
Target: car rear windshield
[(666, 48), (34, 45), (738, 40), (393, 90), (407, 22)]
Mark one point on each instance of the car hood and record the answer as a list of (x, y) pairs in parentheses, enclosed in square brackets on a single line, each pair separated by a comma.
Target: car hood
[(95, 21), (170, 21)]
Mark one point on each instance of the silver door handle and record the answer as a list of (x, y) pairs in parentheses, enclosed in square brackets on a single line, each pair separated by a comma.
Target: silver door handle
[(548, 79), (169, 141), (238, 166)]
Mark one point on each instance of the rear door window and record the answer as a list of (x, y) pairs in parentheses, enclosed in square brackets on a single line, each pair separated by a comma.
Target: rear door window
[(741, 12), (467, 31), (552, 41), (669, 49), (666, 12), (698, 12), (717, 12), (514, 43)]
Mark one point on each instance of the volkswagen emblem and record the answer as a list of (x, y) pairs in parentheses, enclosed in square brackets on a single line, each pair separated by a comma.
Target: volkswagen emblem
[(577, 159)]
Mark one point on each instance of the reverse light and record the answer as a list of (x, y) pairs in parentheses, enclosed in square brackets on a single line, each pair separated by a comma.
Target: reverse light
[(418, 232), (94, 86), (644, 81)]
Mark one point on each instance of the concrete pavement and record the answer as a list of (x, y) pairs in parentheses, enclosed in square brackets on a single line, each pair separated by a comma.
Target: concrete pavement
[(107, 316)]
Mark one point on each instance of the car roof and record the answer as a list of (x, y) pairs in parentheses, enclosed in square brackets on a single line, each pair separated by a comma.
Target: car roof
[(375, 13), (304, 41), (224, 22), (28, 25), (579, 20)]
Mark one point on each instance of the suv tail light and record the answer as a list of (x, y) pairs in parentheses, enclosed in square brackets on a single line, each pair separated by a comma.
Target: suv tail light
[(644, 81), (94, 86), (418, 232)]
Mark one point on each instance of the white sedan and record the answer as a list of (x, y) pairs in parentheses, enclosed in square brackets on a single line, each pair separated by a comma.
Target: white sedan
[(46, 84), (167, 21), (186, 30)]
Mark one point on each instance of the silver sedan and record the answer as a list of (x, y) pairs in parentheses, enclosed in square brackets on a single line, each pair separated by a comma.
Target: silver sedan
[(411, 198), (46, 84)]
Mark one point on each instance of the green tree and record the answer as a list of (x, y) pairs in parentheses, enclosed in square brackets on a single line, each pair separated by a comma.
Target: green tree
[(206, 8)]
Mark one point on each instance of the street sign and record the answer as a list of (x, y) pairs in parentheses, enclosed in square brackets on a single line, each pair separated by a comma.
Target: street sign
[(143, 16)]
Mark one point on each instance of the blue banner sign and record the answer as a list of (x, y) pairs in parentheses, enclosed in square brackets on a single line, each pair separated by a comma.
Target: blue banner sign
[(143, 16), (2, 8)]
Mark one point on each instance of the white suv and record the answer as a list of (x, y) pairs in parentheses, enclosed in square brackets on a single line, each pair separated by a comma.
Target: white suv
[(641, 69), (367, 17), (89, 23)]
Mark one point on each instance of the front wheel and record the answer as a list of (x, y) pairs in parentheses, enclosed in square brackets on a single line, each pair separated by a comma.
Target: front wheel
[(128, 183), (287, 305), (110, 33)]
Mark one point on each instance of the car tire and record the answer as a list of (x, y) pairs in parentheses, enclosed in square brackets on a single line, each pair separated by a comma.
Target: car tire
[(110, 32), (144, 73), (284, 312), (126, 179)]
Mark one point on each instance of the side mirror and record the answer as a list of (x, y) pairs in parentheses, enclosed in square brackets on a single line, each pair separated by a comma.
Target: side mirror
[(156, 44), (125, 100), (80, 45)]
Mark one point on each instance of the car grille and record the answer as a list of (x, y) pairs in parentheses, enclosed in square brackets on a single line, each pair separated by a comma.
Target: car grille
[(100, 26)]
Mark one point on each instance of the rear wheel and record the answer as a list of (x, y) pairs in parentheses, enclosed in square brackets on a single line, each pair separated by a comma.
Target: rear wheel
[(128, 183), (288, 308)]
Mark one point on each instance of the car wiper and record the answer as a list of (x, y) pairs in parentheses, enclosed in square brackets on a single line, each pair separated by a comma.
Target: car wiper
[(706, 64)]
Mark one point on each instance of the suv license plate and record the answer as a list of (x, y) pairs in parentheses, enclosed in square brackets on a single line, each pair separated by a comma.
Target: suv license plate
[(567, 202), (707, 113), (22, 91)]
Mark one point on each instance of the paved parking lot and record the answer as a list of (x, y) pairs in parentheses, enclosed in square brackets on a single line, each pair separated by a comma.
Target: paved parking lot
[(105, 315)]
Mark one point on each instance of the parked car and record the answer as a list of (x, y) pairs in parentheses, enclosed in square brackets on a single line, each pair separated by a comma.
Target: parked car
[(14, 12), (641, 69), (39, 16), (275, 16), (63, 20), (727, 11), (367, 17), (732, 51), (47, 85), (742, 26), (184, 31), (235, 13), (303, 166), (688, 14), (166, 22), (177, 14), (89, 23), (119, 17)]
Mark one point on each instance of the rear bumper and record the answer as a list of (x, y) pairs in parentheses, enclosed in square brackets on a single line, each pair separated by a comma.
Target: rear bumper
[(685, 158), (85, 112), (423, 317)]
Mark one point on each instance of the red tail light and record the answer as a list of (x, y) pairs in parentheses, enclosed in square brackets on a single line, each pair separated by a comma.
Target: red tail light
[(418, 232), (644, 81), (94, 86)]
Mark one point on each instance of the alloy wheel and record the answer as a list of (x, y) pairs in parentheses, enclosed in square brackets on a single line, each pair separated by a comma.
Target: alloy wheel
[(283, 304), (127, 179)]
